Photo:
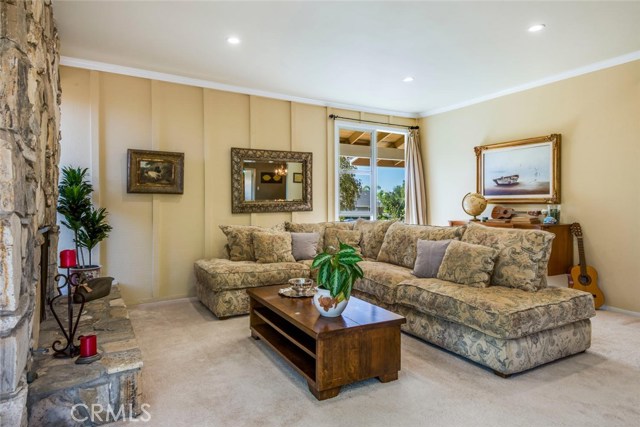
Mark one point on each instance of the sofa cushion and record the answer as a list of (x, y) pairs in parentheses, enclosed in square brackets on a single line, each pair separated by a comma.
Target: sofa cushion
[(497, 310), (467, 264), (429, 256), (223, 274), (272, 247), (239, 240), (333, 236), (304, 245), (372, 235), (523, 258), (380, 279), (316, 228), (399, 245)]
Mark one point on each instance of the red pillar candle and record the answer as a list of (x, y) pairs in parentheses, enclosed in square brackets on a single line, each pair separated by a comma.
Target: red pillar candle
[(67, 258), (88, 346)]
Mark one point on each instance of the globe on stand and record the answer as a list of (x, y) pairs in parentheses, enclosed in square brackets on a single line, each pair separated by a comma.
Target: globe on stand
[(474, 204)]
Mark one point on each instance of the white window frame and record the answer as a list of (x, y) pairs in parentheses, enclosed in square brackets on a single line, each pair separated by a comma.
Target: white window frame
[(373, 129)]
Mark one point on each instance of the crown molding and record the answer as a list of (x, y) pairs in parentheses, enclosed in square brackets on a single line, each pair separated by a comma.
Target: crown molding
[(174, 78), (608, 63)]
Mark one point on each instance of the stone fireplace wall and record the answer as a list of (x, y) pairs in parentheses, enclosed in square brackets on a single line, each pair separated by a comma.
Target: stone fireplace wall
[(29, 153)]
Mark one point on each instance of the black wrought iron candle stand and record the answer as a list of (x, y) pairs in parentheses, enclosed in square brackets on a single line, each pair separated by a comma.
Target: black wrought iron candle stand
[(71, 282)]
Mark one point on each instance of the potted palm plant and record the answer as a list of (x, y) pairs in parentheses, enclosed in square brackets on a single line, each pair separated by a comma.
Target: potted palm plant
[(337, 273), (88, 224)]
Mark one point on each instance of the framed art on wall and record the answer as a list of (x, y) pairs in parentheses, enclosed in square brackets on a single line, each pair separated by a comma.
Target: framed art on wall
[(522, 171), (155, 172)]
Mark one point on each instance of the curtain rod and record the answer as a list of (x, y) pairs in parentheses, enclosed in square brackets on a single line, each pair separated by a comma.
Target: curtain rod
[(334, 117)]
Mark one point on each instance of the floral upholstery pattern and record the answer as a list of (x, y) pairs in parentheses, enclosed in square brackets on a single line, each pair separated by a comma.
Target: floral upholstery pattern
[(498, 311), (505, 356), (467, 264), (224, 304), (373, 233), (223, 275), (523, 258), (400, 241), (371, 299), (272, 247), (334, 235), (380, 280), (239, 240)]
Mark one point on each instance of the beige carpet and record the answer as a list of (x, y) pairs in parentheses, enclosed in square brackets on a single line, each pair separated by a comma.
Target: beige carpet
[(200, 371)]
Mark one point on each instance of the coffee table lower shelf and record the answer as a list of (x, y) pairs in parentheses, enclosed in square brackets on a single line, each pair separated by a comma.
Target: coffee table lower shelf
[(331, 358)]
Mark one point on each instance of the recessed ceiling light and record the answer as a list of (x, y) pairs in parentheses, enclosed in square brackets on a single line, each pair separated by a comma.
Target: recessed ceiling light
[(537, 27), (233, 40), (408, 79)]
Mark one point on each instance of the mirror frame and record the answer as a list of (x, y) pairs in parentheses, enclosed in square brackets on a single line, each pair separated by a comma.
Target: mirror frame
[(239, 205)]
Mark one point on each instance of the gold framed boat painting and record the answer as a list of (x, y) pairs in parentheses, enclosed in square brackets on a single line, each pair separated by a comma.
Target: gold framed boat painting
[(522, 171)]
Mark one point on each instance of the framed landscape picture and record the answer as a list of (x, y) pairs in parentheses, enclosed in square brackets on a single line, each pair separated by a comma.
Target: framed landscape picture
[(523, 171), (297, 178), (155, 172)]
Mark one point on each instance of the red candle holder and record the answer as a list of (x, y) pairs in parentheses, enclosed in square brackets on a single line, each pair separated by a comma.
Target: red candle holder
[(68, 258), (88, 349)]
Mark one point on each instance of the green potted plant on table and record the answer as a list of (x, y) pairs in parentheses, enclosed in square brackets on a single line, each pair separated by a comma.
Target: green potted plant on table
[(336, 274), (88, 224)]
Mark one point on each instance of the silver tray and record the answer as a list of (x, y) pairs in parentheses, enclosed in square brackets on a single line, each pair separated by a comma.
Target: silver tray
[(291, 293)]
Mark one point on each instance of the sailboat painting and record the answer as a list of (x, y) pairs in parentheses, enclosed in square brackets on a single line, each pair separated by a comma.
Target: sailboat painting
[(519, 171)]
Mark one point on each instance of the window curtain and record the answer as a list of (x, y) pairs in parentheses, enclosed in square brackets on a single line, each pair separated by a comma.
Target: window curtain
[(415, 192)]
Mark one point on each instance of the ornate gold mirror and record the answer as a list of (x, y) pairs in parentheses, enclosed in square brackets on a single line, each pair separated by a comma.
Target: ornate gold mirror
[(270, 181)]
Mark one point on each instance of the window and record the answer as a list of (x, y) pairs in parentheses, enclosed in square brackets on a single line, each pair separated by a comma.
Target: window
[(362, 165)]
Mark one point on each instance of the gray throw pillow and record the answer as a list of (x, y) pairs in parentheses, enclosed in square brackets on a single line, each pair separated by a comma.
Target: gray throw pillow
[(429, 257), (304, 245)]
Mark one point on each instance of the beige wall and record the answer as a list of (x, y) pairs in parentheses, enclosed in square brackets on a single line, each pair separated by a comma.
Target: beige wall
[(598, 115), (157, 237)]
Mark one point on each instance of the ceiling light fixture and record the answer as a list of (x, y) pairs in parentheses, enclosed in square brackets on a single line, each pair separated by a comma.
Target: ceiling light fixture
[(233, 40), (537, 27), (408, 79)]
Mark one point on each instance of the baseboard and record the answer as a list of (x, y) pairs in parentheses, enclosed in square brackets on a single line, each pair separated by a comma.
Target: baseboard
[(621, 311), (164, 300)]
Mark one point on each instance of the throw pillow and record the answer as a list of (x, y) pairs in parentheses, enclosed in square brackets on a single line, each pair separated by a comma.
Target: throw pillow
[(467, 264), (334, 235), (304, 245), (272, 247), (399, 245), (316, 228), (372, 235), (429, 257), (523, 254), (239, 241)]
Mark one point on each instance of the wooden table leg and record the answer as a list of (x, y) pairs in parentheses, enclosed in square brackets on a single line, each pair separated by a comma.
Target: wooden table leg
[(388, 377), (324, 394)]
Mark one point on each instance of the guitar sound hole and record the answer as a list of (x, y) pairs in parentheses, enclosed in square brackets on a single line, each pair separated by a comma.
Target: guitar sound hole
[(584, 280)]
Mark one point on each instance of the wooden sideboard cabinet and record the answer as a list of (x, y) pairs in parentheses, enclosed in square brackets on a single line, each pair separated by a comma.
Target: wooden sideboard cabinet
[(561, 259)]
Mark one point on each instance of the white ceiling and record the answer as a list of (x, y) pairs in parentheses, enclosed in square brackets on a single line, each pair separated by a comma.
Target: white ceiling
[(354, 53)]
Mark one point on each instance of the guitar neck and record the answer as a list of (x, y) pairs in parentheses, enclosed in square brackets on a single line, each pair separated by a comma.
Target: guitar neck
[(583, 258)]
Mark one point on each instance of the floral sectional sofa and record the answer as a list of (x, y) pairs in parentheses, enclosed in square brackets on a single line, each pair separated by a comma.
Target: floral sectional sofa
[(489, 301)]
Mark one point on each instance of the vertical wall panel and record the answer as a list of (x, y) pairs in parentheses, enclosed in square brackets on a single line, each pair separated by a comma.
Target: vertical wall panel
[(226, 125), (309, 133), (270, 130), (125, 122), (180, 218)]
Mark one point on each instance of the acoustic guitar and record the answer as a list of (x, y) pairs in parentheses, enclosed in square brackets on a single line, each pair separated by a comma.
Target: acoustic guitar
[(583, 276)]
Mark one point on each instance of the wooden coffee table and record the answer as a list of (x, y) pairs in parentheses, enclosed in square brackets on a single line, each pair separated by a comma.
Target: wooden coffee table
[(329, 352)]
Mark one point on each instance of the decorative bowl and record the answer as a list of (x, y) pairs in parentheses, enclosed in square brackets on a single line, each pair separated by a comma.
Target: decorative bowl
[(301, 284)]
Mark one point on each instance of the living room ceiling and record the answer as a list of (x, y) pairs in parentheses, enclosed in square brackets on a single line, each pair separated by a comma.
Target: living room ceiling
[(355, 54)]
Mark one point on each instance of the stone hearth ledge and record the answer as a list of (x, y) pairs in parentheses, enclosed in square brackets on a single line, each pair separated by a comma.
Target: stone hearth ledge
[(112, 382)]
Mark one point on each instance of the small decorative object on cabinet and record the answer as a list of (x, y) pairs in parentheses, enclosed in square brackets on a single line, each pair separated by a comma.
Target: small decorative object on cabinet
[(336, 274), (474, 204)]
